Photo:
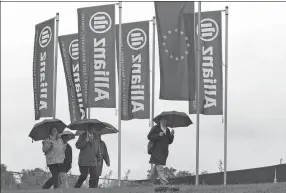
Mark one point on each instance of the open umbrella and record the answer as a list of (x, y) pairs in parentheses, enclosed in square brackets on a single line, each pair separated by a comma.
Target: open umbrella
[(84, 123), (108, 129), (79, 132), (174, 119), (69, 134), (40, 130)]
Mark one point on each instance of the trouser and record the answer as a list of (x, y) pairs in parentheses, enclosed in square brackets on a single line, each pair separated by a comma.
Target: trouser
[(96, 181), (84, 170), (158, 171), (48, 184), (62, 180), (54, 180), (63, 170)]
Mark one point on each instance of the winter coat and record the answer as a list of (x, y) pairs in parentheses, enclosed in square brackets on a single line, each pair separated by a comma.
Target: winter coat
[(104, 156), (88, 151), (54, 150), (68, 160), (160, 150)]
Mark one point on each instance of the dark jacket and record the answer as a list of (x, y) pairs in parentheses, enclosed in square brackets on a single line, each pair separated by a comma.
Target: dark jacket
[(68, 154), (160, 150), (68, 160), (88, 151), (104, 156)]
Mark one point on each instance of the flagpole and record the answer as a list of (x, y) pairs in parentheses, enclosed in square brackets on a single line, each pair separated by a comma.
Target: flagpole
[(198, 94), (225, 95), (55, 67), (119, 93), (153, 76), (88, 113)]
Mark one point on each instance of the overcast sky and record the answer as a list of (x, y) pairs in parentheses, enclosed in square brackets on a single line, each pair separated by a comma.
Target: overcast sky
[(257, 105)]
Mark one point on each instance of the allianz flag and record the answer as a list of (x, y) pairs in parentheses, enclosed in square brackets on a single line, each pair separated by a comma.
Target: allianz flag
[(174, 49), (96, 28), (211, 101), (135, 68), (70, 55), (43, 68)]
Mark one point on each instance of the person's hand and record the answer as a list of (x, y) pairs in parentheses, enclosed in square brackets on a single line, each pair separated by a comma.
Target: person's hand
[(47, 146), (49, 143), (161, 133), (87, 139), (172, 132)]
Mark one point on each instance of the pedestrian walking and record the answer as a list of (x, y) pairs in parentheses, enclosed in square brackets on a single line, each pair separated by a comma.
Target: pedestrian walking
[(88, 145), (161, 137), (103, 155), (65, 167), (54, 150)]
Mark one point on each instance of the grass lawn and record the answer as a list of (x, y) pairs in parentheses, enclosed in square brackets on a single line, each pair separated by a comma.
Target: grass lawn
[(248, 188)]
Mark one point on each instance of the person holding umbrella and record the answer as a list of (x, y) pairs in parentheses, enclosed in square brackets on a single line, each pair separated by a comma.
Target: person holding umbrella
[(53, 147), (67, 164), (103, 155), (161, 136), (88, 145), (54, 150)]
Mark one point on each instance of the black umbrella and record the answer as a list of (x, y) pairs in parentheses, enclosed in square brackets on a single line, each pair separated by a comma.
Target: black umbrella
[(174, 119), (108, 129), (79, 132), (40, 130), (85, 123)]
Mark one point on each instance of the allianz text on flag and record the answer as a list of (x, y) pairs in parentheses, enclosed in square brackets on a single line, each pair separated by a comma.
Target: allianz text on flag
[(70, 55), (43, 68), (211, 65), (174, 46), (135, 81), (97, 55)]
